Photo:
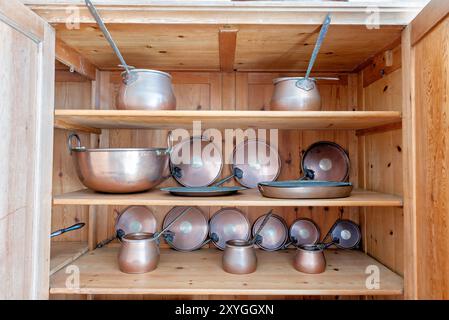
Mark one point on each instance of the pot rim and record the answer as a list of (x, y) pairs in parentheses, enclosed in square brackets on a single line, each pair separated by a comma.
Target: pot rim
[(148, 71), (146, 236), (238, 243), (278, 80), (312, 248), (76, 149)]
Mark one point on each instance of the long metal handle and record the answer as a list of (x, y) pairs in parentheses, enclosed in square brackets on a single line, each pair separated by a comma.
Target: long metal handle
[(318, 44), (107, 35), (157, 235), (237, 173), (264, 222), (72, 228)]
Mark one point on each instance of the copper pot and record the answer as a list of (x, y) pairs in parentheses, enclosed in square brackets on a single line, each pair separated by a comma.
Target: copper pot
[(143, 89), (120, 170), (139, 253), (288, 95), (239, 257), (310, 259)]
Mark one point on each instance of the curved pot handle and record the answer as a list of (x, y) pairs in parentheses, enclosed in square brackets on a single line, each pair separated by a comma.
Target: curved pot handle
[(169, 142), (78, 143)]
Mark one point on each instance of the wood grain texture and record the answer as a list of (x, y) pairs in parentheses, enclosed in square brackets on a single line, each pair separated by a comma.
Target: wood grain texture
[(192, 47), (228, 42), (93, 120), (73, 59), (409, 171), (200, 272), (431, 89), (65, 178), (63, 253), (383, 228), (26, 99), (246, 198), (428, 18)]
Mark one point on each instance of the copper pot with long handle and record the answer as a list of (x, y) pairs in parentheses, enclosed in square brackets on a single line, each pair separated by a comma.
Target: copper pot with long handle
[(140, 89), (300, 93)]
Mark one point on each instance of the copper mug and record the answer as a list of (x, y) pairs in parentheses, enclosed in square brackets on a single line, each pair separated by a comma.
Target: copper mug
[(310, 259), (139, 253), (239, 257)]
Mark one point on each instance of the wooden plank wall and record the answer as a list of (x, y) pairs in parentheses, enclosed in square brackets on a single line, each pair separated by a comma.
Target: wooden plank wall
[(431, 103), (380, 168)]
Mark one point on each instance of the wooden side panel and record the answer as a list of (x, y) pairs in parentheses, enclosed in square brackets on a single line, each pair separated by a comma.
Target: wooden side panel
[(26, 103), (382, 165), (69, 95), (431, 64)]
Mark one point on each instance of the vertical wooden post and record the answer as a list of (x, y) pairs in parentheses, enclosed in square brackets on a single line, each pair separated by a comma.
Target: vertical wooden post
[(409, 163)]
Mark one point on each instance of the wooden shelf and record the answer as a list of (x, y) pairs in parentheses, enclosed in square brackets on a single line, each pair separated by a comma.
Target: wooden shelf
[(63, 253), (200, 272), (95, 120), (247, 198)]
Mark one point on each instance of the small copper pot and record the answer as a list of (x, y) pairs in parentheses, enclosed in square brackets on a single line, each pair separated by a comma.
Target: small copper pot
[(139, 253), (310, 259), (239, 257)]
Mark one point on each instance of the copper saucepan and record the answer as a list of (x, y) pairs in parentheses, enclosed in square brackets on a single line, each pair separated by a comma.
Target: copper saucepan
[(257, 161), (190, 232), (300, 93), (228, 224), (274, 235), (239, 256), (196, 162), (139, 252), (120, 170), (141, 89)]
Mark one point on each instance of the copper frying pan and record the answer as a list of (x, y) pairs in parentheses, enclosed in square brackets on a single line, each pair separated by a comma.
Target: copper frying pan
[(258, 162), (326, 161), (196, 162)]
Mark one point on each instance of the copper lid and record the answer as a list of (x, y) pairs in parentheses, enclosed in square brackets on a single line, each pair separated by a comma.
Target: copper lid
[(274, 234), (136, 219), (304, 232), (258, 161), (189, 232), (228, 224), (327, 160), (201, 167)]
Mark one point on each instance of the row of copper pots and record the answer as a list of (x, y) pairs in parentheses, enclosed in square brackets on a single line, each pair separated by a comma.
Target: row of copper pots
[(186, 229)]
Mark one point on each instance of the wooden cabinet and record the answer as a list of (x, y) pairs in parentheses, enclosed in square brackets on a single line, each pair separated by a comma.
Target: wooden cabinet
[(388, 110)]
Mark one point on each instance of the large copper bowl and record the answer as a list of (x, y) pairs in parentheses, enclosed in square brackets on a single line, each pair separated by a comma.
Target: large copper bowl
[(120, 170)]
